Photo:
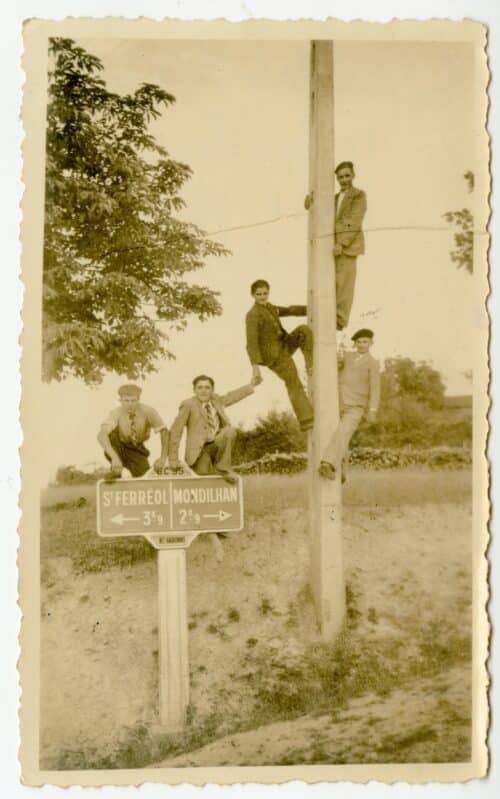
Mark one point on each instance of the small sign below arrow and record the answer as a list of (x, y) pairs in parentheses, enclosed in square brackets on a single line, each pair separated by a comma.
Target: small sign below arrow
[(220, 516), (121, 519)]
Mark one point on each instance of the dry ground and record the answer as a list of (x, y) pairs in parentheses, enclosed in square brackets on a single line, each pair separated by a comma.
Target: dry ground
[(394, 688)]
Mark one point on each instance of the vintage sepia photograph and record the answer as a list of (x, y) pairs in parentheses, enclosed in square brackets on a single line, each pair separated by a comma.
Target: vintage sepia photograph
[(255, 494)]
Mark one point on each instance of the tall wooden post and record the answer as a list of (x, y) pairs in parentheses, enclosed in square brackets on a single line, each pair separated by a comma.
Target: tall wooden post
[(325, 519)]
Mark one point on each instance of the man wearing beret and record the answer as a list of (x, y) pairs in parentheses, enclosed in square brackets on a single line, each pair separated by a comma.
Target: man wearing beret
[(123, 433), (359, 394), (349, 242)]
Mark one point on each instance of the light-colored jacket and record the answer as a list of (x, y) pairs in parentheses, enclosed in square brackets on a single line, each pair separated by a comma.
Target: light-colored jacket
[(193, 417), (349, 221)]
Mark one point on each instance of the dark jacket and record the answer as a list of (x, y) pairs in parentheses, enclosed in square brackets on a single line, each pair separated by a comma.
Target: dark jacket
[(266, 337)]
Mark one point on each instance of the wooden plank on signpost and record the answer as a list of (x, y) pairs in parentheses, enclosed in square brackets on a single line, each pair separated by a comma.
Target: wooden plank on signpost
[(173, 634), (325, 519)]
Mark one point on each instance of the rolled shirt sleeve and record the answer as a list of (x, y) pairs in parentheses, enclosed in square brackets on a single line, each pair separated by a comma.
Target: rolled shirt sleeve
[(154, 420)]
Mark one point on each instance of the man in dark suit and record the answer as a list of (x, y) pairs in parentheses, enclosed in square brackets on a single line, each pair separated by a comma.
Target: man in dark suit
[(350, 209), (349, 242), (269, 344)]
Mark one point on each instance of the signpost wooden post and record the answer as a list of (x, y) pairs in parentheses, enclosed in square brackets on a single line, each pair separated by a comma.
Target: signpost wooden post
[(170, 512), (325, 519)]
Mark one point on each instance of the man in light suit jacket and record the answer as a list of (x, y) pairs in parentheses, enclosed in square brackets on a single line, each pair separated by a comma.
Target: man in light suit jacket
[(350, 209), (210, 436), (349, 242)]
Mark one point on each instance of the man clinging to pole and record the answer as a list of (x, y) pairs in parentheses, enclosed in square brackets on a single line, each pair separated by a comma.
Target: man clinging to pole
[(349, 241), (123, 433), (269, 344), (359, 394)]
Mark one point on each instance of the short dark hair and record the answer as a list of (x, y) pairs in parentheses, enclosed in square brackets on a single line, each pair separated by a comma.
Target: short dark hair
[(259, 284), (344, 165), (203, 377)]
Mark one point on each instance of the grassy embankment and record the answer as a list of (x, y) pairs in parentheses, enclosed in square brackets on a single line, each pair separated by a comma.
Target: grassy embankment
[(255, 656)]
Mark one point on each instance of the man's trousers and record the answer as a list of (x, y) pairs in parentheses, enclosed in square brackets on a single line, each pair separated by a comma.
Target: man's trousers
[(134, 457), (338, 446), (345, 279), (216, 454), (285, 368)]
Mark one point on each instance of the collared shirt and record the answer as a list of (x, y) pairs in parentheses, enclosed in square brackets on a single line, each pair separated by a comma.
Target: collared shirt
[(146, 419)]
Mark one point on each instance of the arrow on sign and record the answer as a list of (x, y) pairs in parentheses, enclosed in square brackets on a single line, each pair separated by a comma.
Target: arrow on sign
[(121, 519), (221, 515)]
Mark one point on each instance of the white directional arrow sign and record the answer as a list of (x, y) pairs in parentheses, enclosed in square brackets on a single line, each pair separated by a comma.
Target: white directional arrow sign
[(121, 519), (221, 515)]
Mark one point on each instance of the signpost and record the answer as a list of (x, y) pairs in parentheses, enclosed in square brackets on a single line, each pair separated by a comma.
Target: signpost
[(170, 512)]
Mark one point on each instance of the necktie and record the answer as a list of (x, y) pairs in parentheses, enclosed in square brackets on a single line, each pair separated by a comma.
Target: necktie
[(213, 426), (133, 427)]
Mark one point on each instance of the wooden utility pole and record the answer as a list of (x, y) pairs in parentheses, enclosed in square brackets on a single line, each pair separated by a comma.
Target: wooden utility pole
[(325, 510)]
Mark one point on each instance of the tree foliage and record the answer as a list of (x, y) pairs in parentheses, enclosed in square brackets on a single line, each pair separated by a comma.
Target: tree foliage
[(412, 414), (115, 256), (463, 221)]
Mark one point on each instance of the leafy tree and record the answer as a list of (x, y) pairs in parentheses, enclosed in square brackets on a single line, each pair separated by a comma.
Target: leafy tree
[(276, 432), (463, 254), (115, 256), (404, 379)]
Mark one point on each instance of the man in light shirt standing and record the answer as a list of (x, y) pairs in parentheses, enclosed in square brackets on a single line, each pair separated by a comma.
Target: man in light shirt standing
[(359, 394), (123, 433)]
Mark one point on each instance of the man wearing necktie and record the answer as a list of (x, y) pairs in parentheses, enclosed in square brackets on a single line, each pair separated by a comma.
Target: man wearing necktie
[(209, 434), (123, 433), (269, 344), (350, 209)]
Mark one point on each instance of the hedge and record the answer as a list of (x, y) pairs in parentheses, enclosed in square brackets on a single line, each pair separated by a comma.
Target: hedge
[(372, 457)]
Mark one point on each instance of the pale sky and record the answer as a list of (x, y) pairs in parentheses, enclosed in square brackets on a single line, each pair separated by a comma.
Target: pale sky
[(403, 114)]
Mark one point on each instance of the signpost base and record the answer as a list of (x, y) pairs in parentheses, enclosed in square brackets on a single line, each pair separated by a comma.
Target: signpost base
[(173, 633)]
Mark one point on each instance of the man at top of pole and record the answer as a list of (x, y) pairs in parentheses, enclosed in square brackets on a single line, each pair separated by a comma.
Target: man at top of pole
[(349, 241), (269, 344)]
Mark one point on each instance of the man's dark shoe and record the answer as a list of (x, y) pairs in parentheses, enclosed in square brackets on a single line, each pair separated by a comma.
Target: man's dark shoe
[(306, 425), (228, 475)]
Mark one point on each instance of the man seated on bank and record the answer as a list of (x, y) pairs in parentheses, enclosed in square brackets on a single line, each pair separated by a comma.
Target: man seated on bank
[(269, 344), (359, 394), (210, 436), (123, 433)]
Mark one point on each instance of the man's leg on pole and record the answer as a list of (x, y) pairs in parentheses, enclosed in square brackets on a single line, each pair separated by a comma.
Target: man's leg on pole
[(338, 446), (285, 368), (345, 280), (302, 338)]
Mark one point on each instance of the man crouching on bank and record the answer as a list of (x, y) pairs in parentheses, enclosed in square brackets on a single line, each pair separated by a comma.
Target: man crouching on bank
[(123, 433)]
